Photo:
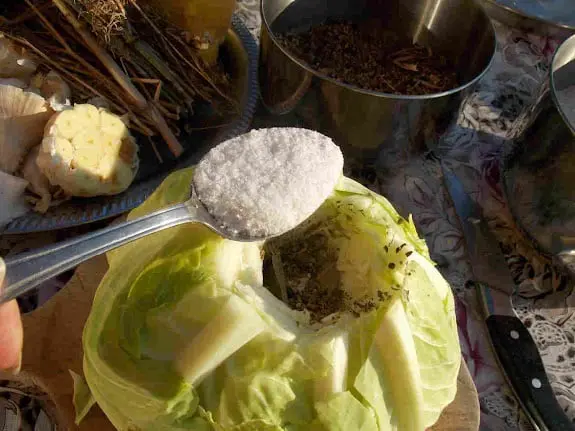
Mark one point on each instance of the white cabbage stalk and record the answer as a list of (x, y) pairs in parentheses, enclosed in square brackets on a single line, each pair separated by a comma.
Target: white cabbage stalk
[(184, 334), (234, 326), (394, 344), (335, 381)]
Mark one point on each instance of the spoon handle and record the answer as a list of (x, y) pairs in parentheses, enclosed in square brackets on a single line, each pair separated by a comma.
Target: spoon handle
[(27, 270)]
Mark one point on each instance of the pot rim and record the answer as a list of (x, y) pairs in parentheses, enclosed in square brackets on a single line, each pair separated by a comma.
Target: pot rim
[(379, 94), (553, 68)]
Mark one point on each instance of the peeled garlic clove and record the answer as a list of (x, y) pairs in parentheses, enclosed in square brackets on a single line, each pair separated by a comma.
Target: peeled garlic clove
[(88, 151), (38, 182), (23, 116), (14, 63), (12, 201)]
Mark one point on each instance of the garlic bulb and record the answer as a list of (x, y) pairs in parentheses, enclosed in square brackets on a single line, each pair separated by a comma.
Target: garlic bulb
[(14, 63), (12, 201), (88, 151), (23, 116)]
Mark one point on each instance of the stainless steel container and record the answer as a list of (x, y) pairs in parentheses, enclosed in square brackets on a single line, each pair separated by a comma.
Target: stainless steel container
[(366, 123), (539, 164)]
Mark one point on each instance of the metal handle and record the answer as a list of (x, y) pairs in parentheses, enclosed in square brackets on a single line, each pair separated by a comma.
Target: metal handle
[(523, 367), (26, 271)]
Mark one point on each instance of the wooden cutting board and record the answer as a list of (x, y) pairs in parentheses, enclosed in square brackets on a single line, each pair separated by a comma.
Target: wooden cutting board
[(53, 346)]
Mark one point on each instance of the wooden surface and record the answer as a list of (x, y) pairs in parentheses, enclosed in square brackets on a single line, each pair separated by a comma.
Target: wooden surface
[(53, 346)]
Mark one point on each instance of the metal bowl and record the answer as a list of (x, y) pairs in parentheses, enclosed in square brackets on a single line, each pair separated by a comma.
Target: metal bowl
[(368, 123), (539, 165)]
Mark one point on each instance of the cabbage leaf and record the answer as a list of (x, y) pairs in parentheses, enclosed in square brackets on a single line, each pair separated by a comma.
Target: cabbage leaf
[(184, 334)]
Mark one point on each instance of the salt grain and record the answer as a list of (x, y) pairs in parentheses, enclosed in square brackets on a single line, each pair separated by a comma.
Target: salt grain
[(268, 181)]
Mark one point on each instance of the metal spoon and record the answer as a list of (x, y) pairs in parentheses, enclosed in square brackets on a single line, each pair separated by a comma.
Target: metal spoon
[(27, 270)]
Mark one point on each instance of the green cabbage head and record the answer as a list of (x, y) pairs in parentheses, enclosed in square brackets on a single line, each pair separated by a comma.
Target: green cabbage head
[(355, 330)]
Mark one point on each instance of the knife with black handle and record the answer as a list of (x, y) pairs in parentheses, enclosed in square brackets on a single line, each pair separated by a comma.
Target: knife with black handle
[(514, 348)]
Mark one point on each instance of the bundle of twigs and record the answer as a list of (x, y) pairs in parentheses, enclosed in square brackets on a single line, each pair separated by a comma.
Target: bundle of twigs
[(124, 52)]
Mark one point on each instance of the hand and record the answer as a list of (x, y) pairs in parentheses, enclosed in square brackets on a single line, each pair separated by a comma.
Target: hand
[(11, 333)]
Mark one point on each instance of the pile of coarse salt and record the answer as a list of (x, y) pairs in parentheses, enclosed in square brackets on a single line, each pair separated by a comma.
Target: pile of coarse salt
[(268, 181)]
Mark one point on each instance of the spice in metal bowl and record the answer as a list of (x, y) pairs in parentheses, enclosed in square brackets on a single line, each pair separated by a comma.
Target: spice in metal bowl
[(372, 58)]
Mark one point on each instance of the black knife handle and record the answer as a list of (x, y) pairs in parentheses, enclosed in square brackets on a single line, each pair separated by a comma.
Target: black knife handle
[(519, 358)]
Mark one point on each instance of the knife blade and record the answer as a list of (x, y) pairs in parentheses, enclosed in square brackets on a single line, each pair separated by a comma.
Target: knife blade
[(514, 348)]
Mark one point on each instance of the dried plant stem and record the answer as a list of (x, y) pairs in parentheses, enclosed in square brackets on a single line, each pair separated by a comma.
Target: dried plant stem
[(124, 53), (148, 53), (167, 113), (58, 37), (152, 81), (76, 82), (136, 97), (139, 71), (93, 71), (169, 105), (28, 15), (156, 152), (170, 45), (186, 48), (166, 132), (215, 126)]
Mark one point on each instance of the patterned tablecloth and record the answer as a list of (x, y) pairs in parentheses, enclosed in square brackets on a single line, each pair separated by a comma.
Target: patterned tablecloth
[(471, 148)]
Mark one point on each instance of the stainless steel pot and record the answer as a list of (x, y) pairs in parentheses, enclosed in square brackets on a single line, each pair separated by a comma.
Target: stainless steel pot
[(365, 123), (539, 164)]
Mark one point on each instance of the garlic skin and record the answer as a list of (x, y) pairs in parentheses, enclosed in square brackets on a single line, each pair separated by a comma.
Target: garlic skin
[(99, 102), (38, 183), (53, 88), (14, 63), (12, 201), (23, 116), (14, 82), (88, 151)]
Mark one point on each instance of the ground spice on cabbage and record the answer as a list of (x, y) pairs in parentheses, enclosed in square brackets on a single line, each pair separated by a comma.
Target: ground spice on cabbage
[(312, 280), (311, 277)]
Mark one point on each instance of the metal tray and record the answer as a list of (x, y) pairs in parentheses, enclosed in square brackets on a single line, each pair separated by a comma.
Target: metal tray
[(550, 17), (240, 56)]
